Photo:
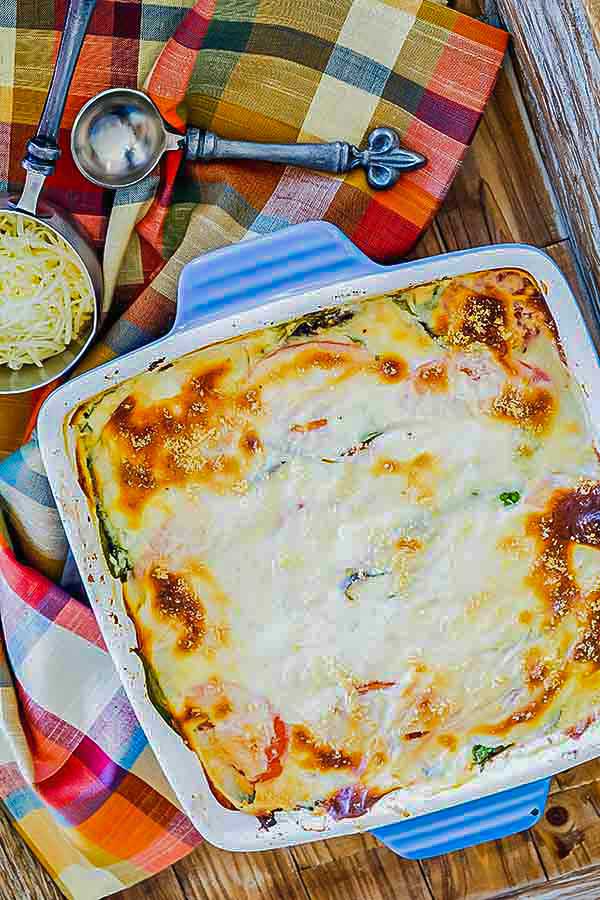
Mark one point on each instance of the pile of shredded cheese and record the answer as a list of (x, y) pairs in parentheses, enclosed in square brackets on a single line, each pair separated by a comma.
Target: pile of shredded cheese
[(45, 296)]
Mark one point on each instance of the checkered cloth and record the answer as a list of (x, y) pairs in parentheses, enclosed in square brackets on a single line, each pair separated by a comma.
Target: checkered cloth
[(76, 772)]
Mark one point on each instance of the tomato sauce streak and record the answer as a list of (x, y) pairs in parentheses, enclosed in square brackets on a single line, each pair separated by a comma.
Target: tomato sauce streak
[(374, 686), (275, 751)]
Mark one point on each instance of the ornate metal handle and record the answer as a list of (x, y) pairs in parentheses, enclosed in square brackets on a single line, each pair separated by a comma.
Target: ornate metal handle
[(384, 159), (42, 150)]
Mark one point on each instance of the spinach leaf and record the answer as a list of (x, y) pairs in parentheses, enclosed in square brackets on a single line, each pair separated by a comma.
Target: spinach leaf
[(317, 321), (483, 754), (115, 554), (509, 498)]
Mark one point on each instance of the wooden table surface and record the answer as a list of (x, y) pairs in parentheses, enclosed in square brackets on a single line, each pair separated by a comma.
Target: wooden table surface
[(502, 194)]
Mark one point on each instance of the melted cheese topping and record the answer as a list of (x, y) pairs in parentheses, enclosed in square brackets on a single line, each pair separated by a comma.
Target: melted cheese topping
[(360, 549)]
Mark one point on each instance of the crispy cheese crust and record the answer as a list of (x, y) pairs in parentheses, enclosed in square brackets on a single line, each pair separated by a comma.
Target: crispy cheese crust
[(360, 549)]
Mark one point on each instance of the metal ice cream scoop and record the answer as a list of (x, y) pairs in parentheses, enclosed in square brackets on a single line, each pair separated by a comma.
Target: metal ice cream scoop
[(119, 136)]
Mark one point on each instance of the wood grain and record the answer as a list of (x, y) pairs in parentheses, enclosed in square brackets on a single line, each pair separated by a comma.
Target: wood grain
[(579, 776), (163, 886), (583, 886), (376, 874), (485, 871), (559, 62), (14, 413), (568, 835), (309, 856), (490, 200), (21, 876), (212, 874)]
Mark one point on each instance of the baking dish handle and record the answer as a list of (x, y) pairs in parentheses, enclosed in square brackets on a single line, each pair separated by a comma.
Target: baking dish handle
[(249, 274), (487, 819)]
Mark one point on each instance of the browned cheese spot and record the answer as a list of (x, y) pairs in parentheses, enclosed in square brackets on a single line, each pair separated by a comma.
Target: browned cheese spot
[(137, 476), (311, 754), (572, 516), (378, 759), (177, 602), (536, 670), (588, 646), (419, 473), (341, 360), (525, 450), (249, 401), (432, 378), (221, 709), (484, 320), (391, 369), (431, 708), (502, 309), (408, 545), (550, 687), (388, 466), (529, 408), (250, 443), (192, 438)]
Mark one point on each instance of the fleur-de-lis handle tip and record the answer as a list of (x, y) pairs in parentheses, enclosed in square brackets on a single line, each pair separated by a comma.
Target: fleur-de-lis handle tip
[(384, 160)]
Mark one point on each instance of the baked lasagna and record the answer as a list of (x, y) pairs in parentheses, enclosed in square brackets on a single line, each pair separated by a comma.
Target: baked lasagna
[(360, 549)]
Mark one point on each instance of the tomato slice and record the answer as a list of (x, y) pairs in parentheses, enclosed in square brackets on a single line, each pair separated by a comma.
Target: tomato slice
[(275, 751), (249, 734)]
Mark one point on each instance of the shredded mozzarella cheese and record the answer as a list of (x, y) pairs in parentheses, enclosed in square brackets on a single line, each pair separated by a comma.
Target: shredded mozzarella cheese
[(45, 296)]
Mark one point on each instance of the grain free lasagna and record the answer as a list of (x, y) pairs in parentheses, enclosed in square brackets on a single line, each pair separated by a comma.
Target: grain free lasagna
[(361, 548)]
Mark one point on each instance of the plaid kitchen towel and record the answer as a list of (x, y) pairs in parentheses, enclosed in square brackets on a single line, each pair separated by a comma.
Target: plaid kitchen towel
[(76, 772)]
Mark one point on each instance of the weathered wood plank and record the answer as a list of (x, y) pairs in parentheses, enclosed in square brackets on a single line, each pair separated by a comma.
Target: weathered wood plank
[(579, 776), (163, 886), (568, 835), (559, 63), (212, 874), (21, 875), (490, 200), (308, 856), (14, 413), (485, 871), (583, 886), (430, 244), (376, 874)]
